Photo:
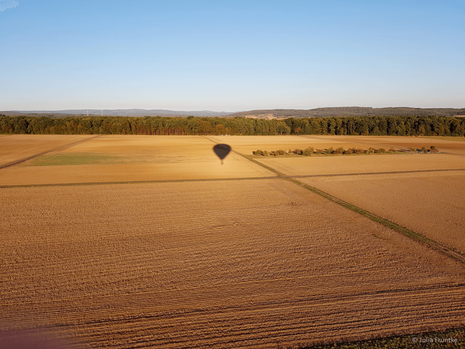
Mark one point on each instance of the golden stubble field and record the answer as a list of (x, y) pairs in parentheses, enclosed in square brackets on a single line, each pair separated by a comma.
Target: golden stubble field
[(16, 147), (223, 263), (429, 203), (131, 158)]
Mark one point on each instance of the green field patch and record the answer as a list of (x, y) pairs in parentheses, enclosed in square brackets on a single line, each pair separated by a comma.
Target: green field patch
[(70, 159)]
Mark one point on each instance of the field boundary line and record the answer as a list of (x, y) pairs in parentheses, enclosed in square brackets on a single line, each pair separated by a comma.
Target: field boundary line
[(279, 176), (134, 182), (394, 226), (374, 173), (63, 147)]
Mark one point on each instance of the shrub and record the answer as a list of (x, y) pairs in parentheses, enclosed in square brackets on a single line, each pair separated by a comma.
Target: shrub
[(391, 150), (424, 150), (330, 150), (348, 151), (432, 147), (266, 153), (308, 151), (319, 151), (370, 150), (339, 150), (298, 151), (258, 152), (381, 150)]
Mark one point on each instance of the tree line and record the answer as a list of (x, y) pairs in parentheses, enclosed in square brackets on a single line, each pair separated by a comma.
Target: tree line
[(365, 125)]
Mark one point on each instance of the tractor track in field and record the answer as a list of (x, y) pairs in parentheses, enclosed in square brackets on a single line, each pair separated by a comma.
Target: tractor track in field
[(445, 250), (63, 147), (281, 176)]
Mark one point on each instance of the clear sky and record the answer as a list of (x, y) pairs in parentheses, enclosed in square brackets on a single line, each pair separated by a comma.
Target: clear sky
[(231, 55)]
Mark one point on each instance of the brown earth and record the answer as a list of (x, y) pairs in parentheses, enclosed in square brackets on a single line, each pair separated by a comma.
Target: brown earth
[(16, 147), (231, 264)]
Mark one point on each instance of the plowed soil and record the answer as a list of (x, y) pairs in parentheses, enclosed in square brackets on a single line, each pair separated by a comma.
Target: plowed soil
[(221, 264)]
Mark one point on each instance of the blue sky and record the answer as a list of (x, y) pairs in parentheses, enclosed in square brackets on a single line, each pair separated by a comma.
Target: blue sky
[(231, 55)]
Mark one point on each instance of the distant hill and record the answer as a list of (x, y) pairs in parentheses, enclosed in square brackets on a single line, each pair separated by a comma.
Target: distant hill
[(256, 114), (347, 111), (115, 112)]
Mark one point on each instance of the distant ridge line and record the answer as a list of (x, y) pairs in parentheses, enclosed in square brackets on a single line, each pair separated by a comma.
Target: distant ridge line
[(258, 114), (348, 111)]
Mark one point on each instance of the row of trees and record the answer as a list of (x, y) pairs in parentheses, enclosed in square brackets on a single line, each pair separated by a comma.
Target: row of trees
[(369, 125)]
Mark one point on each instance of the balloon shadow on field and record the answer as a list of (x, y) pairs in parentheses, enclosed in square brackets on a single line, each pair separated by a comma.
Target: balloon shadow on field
[(222, 150)]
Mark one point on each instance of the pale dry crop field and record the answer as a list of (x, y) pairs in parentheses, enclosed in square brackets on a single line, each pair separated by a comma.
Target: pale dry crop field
[(131, 158), (231, 257), (429, 203), (427, 198), (16, 147)]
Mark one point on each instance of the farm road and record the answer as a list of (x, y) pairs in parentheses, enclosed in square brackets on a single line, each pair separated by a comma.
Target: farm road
[(63, 147)]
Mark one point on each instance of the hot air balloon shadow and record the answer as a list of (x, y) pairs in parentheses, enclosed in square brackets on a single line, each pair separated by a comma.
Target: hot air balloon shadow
[(222, 150)]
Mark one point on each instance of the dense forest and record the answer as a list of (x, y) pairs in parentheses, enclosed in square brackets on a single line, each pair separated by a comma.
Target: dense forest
[(368, 125)]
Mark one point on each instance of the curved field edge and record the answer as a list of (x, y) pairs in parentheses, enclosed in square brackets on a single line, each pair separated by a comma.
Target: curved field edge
[(453, 337)]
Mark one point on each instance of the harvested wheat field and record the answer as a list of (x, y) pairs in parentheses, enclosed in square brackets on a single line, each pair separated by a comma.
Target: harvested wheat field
[(250, 263), (131, 158), (247, 144), (428, 203), (253, 261), (16, 147), (452, 158), (357, 164), (445, 144)]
